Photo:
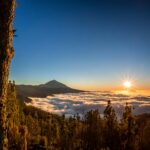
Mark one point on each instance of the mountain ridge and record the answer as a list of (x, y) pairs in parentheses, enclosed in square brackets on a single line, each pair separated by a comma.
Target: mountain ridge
[(43, 90)]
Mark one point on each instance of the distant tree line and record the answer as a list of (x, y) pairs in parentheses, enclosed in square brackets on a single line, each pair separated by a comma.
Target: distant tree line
[(30, 128)]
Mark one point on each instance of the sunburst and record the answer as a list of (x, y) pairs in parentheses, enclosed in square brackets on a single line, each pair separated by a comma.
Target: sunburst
[(127, 84)]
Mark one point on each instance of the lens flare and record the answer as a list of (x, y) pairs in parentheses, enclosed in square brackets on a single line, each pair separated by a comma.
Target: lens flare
[(127, 84)]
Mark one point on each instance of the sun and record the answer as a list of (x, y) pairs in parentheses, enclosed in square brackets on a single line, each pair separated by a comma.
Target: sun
[(127, 84)]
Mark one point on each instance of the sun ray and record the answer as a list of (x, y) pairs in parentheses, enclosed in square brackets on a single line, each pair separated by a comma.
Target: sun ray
[(127, 84)]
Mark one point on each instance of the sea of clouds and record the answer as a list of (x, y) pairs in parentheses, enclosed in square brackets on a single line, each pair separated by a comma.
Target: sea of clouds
[(73, 103)]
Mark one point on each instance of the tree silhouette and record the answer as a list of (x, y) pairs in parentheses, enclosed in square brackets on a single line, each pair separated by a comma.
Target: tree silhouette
[(93, 130), (111, 133), (129, 130), (7, 8)]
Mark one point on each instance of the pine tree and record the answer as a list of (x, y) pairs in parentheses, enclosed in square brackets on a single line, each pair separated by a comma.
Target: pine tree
[(129, 130), (93, 131), (111, 133), (7, 8)]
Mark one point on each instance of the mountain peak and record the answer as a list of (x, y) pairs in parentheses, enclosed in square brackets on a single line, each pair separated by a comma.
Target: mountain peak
[(43, 90), (52, 81), (54, 84)]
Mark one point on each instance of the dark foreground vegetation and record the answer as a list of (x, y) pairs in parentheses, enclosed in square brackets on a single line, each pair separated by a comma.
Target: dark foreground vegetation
[(32, 129)]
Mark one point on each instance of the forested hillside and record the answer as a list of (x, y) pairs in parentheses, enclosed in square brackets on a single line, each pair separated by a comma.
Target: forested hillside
[(31, 128)]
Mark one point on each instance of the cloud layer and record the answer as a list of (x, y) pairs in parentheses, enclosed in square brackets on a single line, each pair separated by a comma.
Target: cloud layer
[(73, 103)]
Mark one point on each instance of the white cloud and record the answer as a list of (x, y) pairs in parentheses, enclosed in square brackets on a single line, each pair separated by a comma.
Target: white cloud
[(73, 103)]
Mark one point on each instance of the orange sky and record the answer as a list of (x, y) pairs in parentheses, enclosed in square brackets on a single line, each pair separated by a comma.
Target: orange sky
[(118, 88)]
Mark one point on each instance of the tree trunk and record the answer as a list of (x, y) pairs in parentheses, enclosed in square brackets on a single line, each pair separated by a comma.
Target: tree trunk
[(7, 8)]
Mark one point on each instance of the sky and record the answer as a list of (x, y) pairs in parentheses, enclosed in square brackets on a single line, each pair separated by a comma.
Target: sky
[(86, 44)]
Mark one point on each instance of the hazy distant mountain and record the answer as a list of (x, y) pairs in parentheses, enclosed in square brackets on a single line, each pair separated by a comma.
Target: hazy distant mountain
[(43, 90), (53, 84)]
